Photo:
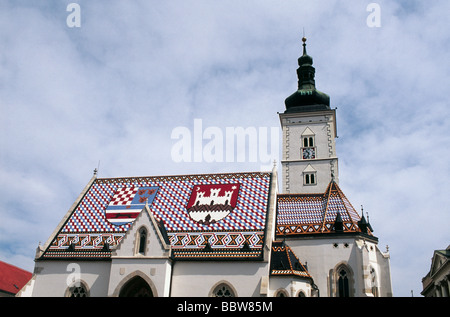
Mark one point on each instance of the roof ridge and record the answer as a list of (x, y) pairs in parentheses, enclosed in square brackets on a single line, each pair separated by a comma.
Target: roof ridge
[(347, 203), (43, 250), (327, 197), (186, 175)]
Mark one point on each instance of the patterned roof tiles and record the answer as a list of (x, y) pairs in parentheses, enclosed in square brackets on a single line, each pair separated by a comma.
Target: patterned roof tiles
[(225, 211), (299, 214)]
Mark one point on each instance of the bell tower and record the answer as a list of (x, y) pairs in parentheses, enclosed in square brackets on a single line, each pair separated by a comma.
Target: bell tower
[(309, 160)]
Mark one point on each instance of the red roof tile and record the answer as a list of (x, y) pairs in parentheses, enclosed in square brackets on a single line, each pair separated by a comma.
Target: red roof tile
[(12, 278)]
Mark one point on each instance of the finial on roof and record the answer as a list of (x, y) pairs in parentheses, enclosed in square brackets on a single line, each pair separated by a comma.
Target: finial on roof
[(97, 169), (305, 59), (304, 45), (362, 213)]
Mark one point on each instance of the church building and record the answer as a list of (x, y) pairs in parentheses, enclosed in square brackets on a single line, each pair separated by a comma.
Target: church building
[(224, 235)]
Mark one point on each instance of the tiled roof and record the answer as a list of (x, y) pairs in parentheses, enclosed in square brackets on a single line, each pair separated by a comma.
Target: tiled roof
[(285, 263), (330, 212), (12, 278), (227, 212)]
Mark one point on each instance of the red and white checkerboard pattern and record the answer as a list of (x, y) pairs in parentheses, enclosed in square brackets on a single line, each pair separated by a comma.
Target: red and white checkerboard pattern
[(124, 196)]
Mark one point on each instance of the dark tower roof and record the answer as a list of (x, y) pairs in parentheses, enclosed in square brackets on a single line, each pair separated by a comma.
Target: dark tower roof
[(307, 97)]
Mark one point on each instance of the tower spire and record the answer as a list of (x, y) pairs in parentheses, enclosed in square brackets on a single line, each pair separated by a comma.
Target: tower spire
[(306, 72), (307, 97)]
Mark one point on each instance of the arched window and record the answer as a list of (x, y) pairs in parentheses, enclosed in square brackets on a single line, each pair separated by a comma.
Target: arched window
[(343, 285), (343, 282), (223, 290), (142, 241), (308, 141), (309, 179)]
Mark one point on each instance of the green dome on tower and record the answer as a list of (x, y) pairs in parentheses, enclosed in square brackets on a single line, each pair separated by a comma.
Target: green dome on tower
[(307, 97)]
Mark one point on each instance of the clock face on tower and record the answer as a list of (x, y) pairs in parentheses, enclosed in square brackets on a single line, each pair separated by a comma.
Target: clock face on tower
[(309, 153)]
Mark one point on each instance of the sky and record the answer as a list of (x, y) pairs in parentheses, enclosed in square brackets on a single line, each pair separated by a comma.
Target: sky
[(113, 92)]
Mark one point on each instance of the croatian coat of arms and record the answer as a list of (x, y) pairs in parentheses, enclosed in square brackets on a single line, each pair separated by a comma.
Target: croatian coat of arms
[(127, 203)]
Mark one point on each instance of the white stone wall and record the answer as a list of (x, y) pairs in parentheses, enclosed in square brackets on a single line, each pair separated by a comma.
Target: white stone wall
[(155, 271), (54, 278), (193, 278), (324, 255)]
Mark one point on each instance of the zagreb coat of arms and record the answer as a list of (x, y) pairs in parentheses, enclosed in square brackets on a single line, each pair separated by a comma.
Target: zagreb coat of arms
[(209, 204)]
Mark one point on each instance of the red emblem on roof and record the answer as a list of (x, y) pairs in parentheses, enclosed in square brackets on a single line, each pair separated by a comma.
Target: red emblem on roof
[(211, 203)]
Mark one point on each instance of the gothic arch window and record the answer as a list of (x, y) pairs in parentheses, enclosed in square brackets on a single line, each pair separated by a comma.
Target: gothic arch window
[(78, 289), (343, 281), (142, 241), (223, 290)]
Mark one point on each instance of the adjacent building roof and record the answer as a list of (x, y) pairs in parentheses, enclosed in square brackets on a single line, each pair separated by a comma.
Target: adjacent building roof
[(12, 278), (201, 216), (440, 267), (329, 212)]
